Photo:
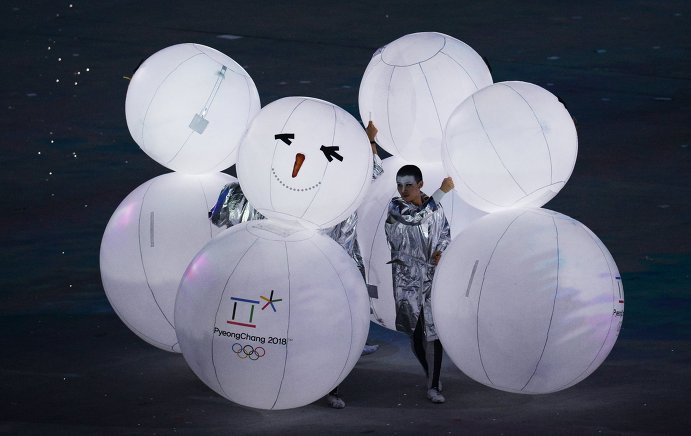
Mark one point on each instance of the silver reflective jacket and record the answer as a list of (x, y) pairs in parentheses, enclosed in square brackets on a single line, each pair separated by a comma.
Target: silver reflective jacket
[(232, 207), (414, 234)]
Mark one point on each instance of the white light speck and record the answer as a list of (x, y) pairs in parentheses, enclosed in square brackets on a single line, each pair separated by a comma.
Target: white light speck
[(50, 173), (52, 141), (48, 47), (39, 152), (87, 69), (78, 73), (63, 252), (59, 59), (70, 4), (57, 80), (229, 37), (86, 205), (75, 83)]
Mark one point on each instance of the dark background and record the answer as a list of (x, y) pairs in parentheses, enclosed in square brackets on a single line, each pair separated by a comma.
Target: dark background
[(69, 366)]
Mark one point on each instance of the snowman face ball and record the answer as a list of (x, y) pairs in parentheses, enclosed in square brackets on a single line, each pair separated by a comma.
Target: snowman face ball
[(305, 161)]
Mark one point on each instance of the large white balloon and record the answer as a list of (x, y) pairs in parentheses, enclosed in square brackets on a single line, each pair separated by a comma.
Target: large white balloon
[(270, 317), (375, 251), (527, 301), (187, 107), (412, 85), (148, 243), (512, 144), (305, 161)]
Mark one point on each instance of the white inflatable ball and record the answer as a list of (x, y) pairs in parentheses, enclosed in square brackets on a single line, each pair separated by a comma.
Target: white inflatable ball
[(527, 301), (371, 235), (271, 318), (187, 107), (148, 243), (412, 85), (305, 161), (512, 144)]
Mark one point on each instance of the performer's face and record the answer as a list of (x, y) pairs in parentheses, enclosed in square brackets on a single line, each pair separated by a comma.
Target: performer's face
[(409, 189)]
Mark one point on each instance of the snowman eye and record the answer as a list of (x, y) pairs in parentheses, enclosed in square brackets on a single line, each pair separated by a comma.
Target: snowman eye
[(285, 137), (330, 153)]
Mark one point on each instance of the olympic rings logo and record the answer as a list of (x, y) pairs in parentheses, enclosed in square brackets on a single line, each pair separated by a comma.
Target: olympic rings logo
[(246, 351)]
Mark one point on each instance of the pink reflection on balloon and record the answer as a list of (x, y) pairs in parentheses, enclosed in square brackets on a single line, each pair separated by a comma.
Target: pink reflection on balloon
[(197, 265), (126, 214)]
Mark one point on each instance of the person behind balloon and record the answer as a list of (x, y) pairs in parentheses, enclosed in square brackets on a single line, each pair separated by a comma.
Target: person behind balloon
[(417, 233), (232, 208)]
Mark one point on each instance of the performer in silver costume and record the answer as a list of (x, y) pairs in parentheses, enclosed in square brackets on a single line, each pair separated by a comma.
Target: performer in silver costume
[(232, 208), (417, 233)]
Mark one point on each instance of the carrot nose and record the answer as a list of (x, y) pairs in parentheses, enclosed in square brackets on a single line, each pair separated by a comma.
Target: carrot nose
[(299, 159)]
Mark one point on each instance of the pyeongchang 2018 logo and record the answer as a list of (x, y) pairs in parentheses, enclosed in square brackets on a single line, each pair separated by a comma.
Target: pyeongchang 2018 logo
[(243, 315), (253, 303)]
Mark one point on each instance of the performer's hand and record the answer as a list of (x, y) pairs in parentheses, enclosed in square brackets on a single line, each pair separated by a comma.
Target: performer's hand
[(371, 131), (447, 185), (436, 256)]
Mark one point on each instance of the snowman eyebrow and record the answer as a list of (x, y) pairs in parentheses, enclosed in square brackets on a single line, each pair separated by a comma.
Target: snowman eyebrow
[(330, 153), (285, 137)]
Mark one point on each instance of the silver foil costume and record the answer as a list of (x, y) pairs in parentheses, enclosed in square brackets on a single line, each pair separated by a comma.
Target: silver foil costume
[(233, 208), (414, 234)]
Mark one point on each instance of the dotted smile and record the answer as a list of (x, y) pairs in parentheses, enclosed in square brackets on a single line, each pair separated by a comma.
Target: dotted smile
[(278, 179)]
